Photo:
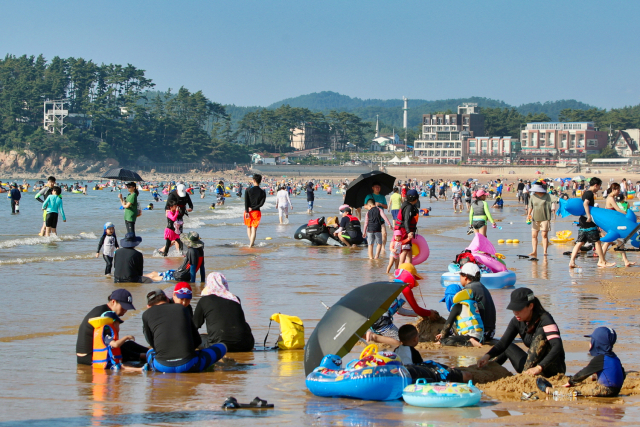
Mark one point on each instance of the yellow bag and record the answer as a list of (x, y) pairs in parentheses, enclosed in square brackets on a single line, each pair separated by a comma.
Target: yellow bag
[(291, 331)]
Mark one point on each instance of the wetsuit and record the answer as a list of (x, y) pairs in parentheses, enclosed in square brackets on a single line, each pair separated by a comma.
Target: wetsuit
[(110, 243), (610, 375), (482, 296), (542, 338), (84, 345), (128, 265), (15, 199), (169, 329), (225, 323)]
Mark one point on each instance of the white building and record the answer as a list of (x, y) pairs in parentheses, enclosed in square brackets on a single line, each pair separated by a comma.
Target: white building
[(626, 142)]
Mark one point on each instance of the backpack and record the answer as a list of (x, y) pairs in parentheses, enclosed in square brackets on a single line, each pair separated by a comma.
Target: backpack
[(316, 226), (291, 331), (464, 257)]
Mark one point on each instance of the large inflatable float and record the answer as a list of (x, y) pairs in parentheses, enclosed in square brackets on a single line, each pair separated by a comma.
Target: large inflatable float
[(419, 250), (615, 224), (375, 376), (494, 272), (441, 394), (319, 233)]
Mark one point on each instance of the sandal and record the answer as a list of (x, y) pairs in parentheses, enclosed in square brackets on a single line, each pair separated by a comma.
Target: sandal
[(523, 256), (257, 403)]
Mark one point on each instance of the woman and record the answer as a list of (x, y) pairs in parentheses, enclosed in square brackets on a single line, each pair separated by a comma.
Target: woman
[(130, 205), (283, 204), (310, 197), (612, 203), (224, 316), (539, 334), (479, 213)]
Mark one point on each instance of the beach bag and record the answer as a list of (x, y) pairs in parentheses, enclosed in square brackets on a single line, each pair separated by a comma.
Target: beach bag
[(291, 331)]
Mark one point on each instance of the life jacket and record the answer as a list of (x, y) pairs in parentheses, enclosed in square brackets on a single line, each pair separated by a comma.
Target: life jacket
[(478, 210), (469, 321), (104, 356), (374, 223), (413, 222), (220, 189), (353, 226)]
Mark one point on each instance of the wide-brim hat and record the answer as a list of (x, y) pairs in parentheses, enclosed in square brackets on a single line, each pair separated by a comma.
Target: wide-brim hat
[(192, 239), (537, 188), (130, 240)]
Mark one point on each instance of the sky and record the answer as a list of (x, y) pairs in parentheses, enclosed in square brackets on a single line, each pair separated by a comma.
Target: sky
[(260, 52)]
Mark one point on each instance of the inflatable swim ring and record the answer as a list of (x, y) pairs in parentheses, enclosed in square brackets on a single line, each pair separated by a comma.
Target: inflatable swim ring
[(77, 192), (635, 208), (419, 250), (375, 376), (441, 394), (165, 191), (636, 203), (499, 280)]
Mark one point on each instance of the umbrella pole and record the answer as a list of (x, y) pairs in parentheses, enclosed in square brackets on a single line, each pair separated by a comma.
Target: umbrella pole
[(359, 337)]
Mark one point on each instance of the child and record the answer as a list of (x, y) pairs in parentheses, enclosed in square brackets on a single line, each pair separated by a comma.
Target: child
[(468, 323), (395, 248), (110, 242), (605, 367), (499, 203), (149, 207), (429, 370), (107, 327), (373, 223), (53, 206), (173, 230)]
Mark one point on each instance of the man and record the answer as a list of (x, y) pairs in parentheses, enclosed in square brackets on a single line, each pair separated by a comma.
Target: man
[(220, 193), (170, 331), (129, 263), (520, 189), (588, 231), (254, 199), (182, 199), (41, 197), (470, 279), (15, 196), (120, 301), (381, 202), (539, 212), (350, 231), (468, 194)]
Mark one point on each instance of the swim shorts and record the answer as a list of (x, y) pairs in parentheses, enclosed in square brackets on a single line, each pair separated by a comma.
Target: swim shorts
[(52, 220), (252, 219), (390, 331), (588, 235), (477, 225), (202, 360), (167, 275), (375, 237)]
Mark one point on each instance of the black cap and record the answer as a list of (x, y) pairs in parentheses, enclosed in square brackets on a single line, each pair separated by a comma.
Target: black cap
[(123, 296), (520, 298)]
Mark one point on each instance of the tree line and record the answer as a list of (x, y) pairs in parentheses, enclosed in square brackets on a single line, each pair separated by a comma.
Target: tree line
[(117, 113)]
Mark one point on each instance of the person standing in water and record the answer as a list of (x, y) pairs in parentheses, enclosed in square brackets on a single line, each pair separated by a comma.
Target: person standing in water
[(45, 192), (254, 199), (130, 205), (15, 195), (310, 197), (110, 243), (53, 207), (283, 204)]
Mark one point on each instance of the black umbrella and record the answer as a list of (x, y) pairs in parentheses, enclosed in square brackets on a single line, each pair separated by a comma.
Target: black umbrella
[(122, 175), (347, 320), (361, 187)]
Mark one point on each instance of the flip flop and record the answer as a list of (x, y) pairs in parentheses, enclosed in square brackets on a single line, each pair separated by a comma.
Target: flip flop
[(257, 403), (523, 256), (543, 384), (533, 259)]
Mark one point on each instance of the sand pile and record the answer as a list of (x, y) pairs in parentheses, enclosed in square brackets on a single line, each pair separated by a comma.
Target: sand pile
[(490, 373), (428, 329)]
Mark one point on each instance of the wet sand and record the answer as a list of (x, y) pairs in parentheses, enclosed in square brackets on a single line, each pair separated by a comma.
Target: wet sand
[(59, 282)]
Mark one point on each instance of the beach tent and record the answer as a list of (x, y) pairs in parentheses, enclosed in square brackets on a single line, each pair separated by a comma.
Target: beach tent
[(406, 159), (394, 160)]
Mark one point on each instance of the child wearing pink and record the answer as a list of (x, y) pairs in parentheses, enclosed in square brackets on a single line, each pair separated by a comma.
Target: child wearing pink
[(173, 230), (395, 249)]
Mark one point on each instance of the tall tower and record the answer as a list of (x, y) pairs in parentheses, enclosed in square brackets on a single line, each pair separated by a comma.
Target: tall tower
[(377, 127), (405, 109)]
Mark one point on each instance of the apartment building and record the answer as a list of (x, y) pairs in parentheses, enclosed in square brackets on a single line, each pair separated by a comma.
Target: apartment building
[(443, 135), (489, 150)]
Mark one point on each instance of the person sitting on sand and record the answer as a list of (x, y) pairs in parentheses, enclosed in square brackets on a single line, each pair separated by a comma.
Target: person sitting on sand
[(605, 367), (539, 333), (465, 315), (470, 277), (418, 368)]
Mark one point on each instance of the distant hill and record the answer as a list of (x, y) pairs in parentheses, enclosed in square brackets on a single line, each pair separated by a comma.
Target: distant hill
[(390, 110)]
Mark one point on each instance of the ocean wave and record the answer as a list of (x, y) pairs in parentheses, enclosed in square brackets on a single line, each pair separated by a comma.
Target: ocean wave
[(29, 241), (192, 223), (242, 245), (45, 259)]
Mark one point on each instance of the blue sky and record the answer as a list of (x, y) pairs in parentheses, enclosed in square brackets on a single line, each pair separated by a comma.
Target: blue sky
[(259, 52)]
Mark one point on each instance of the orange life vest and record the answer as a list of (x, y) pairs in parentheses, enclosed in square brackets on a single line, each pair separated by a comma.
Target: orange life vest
[(104, 356)]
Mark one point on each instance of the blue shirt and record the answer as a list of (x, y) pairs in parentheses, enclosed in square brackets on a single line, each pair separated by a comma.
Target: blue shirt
[(15, 194)]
